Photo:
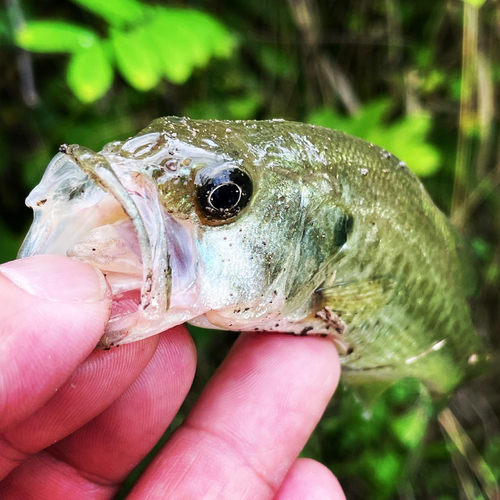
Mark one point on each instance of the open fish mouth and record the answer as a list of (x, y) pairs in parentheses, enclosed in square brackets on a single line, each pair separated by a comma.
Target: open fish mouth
[(110, 216)]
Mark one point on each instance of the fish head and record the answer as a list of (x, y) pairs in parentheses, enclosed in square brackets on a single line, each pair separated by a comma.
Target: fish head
[(213, 223)]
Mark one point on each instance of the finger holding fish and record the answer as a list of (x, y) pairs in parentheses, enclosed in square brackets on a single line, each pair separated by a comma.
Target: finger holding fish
[(47, 329), (52, 380), (250, 422)]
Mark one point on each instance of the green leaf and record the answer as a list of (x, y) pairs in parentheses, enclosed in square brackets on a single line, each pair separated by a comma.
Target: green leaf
[(363, 124), (433, 81), (116, 12), (185, 39), (276, 62), (236, 108), (493, 273), (190, 35), (90, 73), (244, 108), (410, 428), (406, 138), (483, 249), (385, 467), (136, 58), (206, 110), (4, 27), (475, 3), (54, 36), (210, 32), (175, 51)]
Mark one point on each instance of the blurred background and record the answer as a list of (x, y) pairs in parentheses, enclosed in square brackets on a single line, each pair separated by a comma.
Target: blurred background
[(420, 79)]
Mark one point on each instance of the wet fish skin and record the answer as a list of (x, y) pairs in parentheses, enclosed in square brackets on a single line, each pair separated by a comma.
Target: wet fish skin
[(339, 237), (409, 314)]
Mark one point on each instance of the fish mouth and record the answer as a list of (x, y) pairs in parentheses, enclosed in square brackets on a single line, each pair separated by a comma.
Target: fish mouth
[(110, 216)]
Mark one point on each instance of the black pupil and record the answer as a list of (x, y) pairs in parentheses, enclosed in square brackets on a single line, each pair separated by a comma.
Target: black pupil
[(225, 196)]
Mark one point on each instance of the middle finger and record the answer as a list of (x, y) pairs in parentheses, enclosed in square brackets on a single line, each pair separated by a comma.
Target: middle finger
[(249, 424)]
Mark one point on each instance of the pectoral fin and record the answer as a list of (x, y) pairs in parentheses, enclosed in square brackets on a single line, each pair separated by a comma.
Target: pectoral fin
[(369, 393), (351, 297)]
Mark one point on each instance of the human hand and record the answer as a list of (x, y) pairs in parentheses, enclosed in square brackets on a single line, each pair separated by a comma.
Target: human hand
[(74, 422)]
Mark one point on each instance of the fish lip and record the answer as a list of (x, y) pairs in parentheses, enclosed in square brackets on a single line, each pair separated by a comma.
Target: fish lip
[(61, 179), (79, 169), (97, 167)]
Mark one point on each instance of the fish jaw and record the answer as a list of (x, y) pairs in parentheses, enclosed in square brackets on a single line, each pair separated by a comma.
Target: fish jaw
[(90, 210), (163, 270)]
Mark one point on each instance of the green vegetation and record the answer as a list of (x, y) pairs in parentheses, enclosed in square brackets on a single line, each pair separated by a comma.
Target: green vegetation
[(418, 78)]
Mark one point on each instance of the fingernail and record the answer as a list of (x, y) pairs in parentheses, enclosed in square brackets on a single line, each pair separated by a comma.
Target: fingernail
[(57, 278)]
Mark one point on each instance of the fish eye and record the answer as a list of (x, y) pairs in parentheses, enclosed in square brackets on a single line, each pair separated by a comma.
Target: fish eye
[(224, 194)]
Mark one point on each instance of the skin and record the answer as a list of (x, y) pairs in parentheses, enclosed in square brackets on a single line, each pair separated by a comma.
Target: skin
[(74, 421)]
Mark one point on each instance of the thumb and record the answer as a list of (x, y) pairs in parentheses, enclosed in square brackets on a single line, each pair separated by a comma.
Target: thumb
[(53, 311)]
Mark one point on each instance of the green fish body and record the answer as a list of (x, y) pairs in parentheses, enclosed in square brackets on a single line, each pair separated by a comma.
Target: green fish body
[(267, 225)]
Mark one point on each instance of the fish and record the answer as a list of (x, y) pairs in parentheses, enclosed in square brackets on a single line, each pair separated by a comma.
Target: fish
[(271, 226)]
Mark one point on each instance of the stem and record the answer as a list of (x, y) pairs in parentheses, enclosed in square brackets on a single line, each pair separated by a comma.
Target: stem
[(23, 59), (468, 116)]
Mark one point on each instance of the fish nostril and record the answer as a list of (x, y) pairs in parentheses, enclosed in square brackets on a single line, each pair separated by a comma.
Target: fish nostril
[(343, 229)]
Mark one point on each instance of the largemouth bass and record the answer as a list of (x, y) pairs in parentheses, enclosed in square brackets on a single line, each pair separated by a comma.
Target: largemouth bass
[(272, 226)]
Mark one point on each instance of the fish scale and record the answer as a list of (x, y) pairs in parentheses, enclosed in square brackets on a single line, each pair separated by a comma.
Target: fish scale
[(419, 300)]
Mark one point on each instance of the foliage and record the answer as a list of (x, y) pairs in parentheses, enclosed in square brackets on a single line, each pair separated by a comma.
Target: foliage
[(145, 43), (388, 71), (369, 124)]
